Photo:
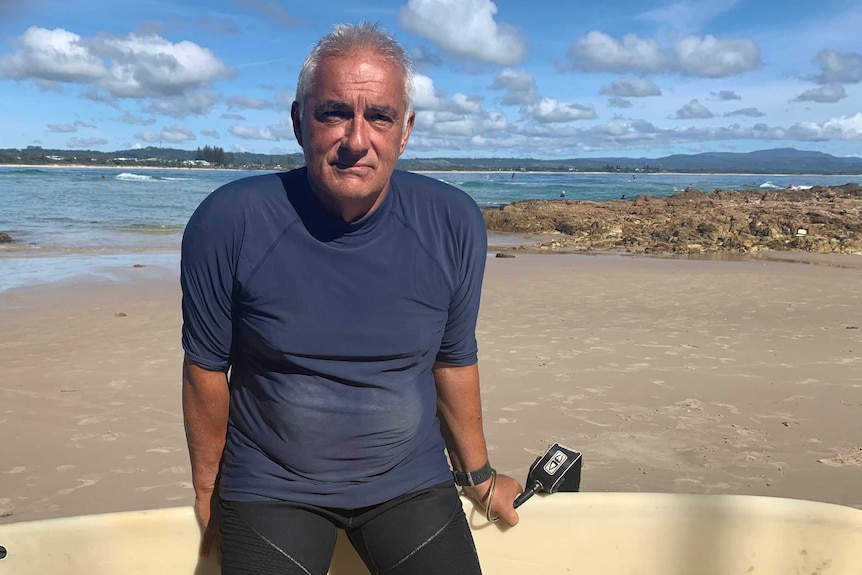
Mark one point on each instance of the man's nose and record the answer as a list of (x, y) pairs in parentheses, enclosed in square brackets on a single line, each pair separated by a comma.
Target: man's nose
[(356, 137)]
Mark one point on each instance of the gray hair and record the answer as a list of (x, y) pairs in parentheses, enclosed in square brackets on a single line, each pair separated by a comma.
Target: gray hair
[(346, 39)]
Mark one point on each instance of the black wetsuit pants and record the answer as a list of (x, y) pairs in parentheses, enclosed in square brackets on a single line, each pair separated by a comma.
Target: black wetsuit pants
[(421, 533)]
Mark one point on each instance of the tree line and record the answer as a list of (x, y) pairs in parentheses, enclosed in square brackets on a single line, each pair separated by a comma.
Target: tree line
[(214, 155)]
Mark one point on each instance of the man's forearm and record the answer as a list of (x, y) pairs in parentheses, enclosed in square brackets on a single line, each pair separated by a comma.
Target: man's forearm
[(460, 408), (205, 413)]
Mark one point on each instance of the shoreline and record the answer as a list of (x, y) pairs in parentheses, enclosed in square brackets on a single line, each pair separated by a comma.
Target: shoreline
[(36, 268), (596, 173), (92, 167)]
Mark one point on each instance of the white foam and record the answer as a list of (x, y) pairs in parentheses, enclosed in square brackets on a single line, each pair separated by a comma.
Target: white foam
[(771, 186), (135, 177)]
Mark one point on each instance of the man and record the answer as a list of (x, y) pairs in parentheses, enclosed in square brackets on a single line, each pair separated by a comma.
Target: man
[(342, 298)]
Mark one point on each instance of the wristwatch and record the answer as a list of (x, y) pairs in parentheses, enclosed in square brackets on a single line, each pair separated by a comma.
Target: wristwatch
[(471, 478)]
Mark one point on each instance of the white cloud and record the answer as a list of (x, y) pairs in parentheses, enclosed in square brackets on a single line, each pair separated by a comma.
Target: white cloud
[(425, 96), (694, 110), (443, 130), (188, 105), (93, 94), (56, 55), (725, 95), (247, 133), (824, 94), (68, 128), (283, 130), (842, 128), (174, 135), (146, 66), (549, 110), (465, 28), (520, 87), (749, 112), (559, 140), (712, 58), (177, 134), (705, 57), (126, 67), (62, 128), (598, 52), (210, 133), (616, 102), (839, 67), (466, 104), (128, 118), (631, 88)]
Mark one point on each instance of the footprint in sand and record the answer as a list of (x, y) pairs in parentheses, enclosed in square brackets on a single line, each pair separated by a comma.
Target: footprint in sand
[(91, 420), (175, 470), (732, 408), (690, 404), (81, 484), (851, 457)]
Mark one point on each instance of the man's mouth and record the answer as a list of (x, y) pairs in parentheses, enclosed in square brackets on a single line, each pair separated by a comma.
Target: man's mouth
[(359, 168)]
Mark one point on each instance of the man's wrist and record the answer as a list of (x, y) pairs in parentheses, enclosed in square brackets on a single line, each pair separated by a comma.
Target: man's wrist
[(475, 477)]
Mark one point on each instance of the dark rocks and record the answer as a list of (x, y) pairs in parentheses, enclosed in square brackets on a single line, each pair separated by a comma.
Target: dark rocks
[(5, 238), (820, 220)]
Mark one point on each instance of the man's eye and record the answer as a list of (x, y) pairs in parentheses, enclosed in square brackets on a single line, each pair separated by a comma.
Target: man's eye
[(333, 116), (381, 119)]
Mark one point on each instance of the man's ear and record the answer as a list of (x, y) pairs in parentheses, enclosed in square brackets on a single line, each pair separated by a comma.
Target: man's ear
[(408, 129), (297, 122)]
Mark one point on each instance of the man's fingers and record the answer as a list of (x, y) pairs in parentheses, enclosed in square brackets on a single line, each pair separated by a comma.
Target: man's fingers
[(503, 502), (211, 543)]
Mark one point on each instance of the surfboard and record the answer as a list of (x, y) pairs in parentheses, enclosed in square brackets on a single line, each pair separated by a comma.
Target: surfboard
[(590, 533)]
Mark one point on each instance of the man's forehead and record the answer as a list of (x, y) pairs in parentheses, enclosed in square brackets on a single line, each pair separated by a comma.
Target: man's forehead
[(361, 66), (338, 79)]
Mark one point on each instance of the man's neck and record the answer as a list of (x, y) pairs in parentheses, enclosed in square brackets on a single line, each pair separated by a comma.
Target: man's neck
[(350, 210)]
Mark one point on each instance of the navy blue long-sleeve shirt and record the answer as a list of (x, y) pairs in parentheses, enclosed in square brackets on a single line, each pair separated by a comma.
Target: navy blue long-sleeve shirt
[(330, 331)]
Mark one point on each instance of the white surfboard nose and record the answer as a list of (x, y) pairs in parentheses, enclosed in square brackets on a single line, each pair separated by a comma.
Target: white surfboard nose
[(607, 533)]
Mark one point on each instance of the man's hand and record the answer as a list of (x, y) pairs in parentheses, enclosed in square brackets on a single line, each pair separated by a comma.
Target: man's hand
[(506, 490), (208, 513)]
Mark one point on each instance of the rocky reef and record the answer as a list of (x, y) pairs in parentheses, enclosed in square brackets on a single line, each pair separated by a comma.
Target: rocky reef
[(816, 220)]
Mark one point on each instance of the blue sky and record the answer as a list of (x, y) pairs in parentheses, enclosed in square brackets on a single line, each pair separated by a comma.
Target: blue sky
[(504, 78)]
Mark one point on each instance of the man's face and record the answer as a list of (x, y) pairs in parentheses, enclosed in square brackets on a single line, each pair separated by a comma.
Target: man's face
[(353, 130)]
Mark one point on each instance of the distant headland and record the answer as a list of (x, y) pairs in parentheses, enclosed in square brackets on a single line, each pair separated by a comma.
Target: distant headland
[(772, 161)]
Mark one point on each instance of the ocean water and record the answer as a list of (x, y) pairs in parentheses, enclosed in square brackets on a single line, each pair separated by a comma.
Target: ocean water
[(69, 221)]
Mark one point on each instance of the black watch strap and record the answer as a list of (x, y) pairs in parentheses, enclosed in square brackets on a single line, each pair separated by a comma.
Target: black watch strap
[(470, 478)]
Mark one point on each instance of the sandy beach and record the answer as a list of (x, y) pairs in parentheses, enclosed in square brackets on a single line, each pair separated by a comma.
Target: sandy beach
[(670, 375)]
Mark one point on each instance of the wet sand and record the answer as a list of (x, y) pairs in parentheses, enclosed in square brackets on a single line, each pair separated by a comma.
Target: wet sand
[(670, 375)]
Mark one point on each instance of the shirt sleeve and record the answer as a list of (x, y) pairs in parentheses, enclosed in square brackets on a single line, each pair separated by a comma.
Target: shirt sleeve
[(210, 247), (458, 346)]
